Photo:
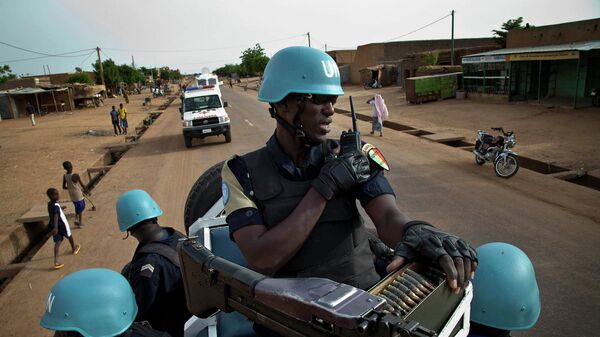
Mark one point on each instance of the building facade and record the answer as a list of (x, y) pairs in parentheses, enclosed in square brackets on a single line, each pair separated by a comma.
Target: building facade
[(392, 53), (556, 64)]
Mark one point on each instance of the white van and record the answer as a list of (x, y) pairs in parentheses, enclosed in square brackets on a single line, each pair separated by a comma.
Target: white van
[(203, 113), (203, 80)]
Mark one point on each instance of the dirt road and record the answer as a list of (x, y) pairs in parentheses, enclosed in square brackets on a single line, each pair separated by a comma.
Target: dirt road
[(555, 222)]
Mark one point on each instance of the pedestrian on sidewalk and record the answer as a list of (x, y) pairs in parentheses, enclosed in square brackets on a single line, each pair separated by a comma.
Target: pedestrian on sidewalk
[(114, 116), (31, 111), (154, 271), (58, 226), (379, 113), (123, 118), (72, 182)]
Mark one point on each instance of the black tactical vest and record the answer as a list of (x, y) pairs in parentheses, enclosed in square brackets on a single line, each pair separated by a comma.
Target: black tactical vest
[(336, 249)]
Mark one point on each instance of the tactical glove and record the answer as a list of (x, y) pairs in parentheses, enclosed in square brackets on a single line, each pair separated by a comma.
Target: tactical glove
[(341, 174), (423, 240)]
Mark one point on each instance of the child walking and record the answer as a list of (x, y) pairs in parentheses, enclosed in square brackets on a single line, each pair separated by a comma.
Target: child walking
[(59, 226), (72, 182)]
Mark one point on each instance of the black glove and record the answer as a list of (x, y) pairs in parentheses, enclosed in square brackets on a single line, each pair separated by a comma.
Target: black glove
[(341, 174), (421, 239)]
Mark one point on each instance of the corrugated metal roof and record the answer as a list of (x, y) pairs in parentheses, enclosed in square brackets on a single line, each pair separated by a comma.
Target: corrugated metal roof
[(582, 46), (23, 91)]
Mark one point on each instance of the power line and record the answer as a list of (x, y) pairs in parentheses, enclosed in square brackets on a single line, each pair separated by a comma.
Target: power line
[(85, 59), (45, 54), (201, 50), (418, 29)]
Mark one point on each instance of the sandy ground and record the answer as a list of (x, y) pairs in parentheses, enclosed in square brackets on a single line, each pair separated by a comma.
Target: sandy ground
[(563, 137), (32, 156)]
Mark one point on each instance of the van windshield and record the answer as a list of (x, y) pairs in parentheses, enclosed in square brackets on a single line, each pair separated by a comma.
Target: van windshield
[(202, 82), (212, 81), (201, 103)]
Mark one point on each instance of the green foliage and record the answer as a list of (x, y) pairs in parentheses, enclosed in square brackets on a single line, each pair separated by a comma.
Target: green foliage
[(147, 71), (254, 60), (169, 74), (501, 35), (5, 74), (112, 75), (129, 74), (83, 78), (430, 59), (229, 70)]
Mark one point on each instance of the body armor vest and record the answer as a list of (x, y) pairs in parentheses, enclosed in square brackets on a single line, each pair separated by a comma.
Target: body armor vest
[(337, 247)]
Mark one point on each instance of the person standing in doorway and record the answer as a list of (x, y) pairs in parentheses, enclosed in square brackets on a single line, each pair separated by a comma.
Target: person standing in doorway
[(114, 116), (31, 112), (72, 182), (123, 118)]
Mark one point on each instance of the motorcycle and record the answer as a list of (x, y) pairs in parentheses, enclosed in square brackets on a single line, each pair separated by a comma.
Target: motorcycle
[(497, 150)]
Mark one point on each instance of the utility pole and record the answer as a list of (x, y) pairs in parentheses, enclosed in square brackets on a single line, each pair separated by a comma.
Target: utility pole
[(101, 70), (48, 70), (132, 62), (308, 34), (452, 52), (326, 47)]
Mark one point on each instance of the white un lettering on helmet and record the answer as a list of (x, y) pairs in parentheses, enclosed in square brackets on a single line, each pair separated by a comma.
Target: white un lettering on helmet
[(49, 303), (330, 69)]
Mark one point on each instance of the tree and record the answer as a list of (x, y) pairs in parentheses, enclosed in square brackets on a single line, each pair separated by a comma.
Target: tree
[(228, 70), (254, 60), (6, 74), (169, 74), (112, 76), (501, 35), (79, 78), (130, 75)]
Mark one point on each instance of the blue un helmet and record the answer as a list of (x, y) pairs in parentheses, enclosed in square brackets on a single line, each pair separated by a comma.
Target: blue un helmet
[(505, 292), (135, 206), (300, 70), (94, 302)]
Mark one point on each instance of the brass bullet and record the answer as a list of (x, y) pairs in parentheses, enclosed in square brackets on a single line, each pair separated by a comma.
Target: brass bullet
[(406, 293), (420, 279)]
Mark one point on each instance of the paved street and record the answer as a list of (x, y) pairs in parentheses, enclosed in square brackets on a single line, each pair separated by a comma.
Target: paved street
[(555, 222)]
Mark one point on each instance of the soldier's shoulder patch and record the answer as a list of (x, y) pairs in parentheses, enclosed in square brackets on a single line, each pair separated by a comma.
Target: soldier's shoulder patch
[(375, 156), (147, 270)]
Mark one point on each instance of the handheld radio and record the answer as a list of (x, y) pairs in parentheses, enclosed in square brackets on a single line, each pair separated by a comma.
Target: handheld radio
[(350, 140)]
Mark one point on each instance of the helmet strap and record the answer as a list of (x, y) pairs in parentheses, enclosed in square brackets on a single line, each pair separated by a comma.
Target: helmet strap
[(296, 128)]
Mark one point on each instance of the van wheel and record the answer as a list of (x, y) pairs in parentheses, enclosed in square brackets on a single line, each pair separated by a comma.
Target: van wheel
[(203, 195), (228, 136), (188, 141)]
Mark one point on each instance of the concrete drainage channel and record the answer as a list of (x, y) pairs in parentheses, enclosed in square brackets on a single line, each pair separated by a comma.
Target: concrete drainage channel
[(24, 242), (578, 177)]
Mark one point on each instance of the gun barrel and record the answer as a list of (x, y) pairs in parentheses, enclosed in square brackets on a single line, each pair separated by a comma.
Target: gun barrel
[(354, 127)]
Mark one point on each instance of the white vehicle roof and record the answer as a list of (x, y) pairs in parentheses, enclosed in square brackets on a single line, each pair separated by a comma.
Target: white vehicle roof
[(197, 92)]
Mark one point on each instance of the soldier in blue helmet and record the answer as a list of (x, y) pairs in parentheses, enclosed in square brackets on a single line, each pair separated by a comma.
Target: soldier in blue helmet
[(291, 205), (94, 303), (154, 271), (506, 296)]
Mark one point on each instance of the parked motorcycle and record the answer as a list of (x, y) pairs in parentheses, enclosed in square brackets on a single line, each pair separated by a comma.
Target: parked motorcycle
[(497, 150)]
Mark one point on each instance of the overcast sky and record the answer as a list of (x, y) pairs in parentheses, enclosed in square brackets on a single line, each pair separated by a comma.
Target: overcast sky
[(193, 34)]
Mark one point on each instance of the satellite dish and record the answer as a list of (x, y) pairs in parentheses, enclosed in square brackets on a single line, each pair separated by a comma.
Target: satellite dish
[(205, 70)]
